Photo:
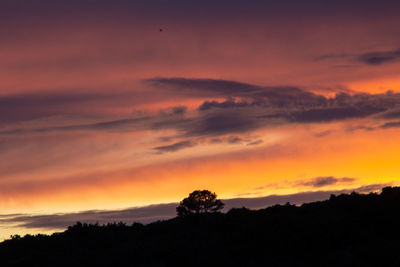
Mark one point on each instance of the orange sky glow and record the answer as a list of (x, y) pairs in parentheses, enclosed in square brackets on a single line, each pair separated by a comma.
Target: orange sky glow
[(107, 112)]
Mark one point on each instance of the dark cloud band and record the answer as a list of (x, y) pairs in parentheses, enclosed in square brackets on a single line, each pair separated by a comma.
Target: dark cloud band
[(246, 108), (165, 211)]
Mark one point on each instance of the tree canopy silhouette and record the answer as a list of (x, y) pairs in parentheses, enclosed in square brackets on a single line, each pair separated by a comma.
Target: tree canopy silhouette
[(346, 230), (199, 201)]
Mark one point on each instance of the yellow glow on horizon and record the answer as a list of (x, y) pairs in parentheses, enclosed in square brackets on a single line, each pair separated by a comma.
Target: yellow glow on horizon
[(371, 157)]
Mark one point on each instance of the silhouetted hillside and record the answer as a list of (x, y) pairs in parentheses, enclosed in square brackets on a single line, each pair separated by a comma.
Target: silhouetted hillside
[(346, 230)]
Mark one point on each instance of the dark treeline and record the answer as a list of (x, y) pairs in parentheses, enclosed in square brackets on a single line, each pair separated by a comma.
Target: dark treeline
[(346, 230)]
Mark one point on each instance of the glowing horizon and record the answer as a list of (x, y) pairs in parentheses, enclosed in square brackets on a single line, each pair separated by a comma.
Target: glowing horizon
[(105, 111)]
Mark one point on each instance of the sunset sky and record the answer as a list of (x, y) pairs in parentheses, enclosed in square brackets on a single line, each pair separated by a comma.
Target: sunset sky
[(113, 104)]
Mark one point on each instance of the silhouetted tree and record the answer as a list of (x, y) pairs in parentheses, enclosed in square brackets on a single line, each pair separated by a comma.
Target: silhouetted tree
[(346, 230), (199, 201)]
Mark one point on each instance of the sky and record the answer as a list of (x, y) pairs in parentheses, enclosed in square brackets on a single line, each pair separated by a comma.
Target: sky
[(107, 106)]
